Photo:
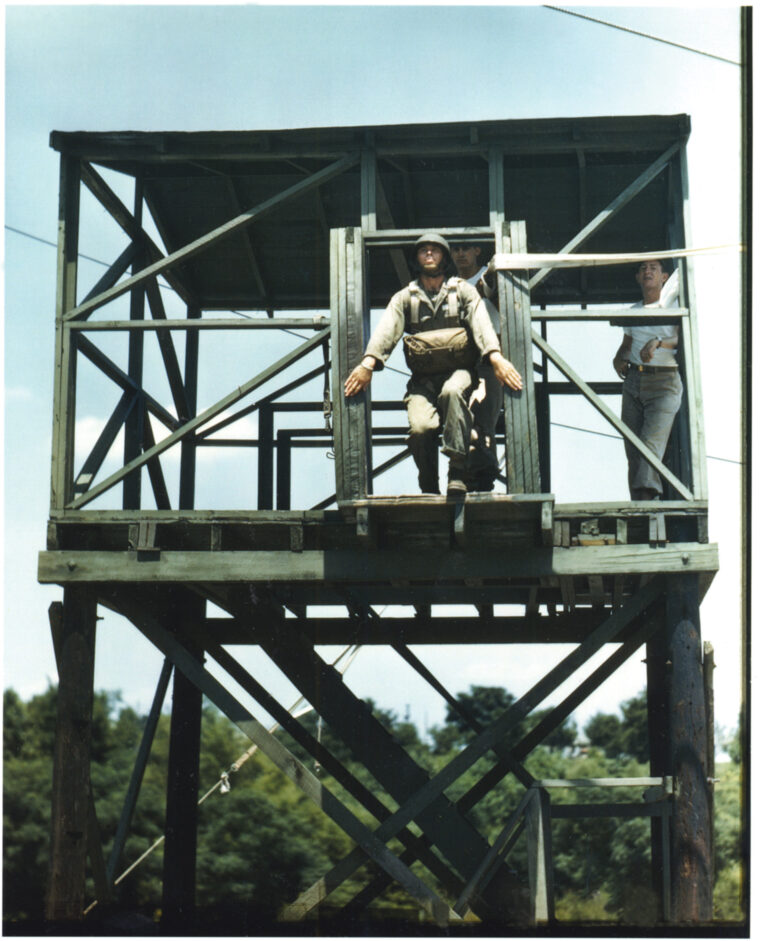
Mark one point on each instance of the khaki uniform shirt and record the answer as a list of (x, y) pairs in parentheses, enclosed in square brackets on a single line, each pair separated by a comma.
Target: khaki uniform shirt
[(433, 316)]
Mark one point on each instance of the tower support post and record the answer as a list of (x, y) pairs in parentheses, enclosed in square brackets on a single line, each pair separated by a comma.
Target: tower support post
[(691, 830), (180, 850), (678, 738), (71, 761)]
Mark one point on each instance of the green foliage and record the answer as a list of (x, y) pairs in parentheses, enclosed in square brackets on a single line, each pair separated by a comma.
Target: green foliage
[(728, 816), (481, 707), (730, 894), (626, 737), (263, 842), (579, 907)]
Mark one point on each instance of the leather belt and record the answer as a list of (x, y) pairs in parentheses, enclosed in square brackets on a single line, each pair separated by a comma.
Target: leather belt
[(653, 368)]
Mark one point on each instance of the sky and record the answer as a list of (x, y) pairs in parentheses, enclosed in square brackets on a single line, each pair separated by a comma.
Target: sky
[(195, 67)]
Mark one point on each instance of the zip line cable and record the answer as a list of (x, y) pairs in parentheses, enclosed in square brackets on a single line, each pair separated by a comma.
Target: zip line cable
[(223, 784), (636, 32), (605, 434), (400, 372)]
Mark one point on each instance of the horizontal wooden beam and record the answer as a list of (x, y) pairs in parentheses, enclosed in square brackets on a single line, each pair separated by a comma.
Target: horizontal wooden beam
[(585, 811), (350, 566), (566, 628), (610, 509), (624, 134), (220, 323)]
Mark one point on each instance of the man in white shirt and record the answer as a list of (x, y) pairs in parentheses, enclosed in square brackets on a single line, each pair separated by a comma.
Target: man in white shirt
[(652, 388), (487, 399)]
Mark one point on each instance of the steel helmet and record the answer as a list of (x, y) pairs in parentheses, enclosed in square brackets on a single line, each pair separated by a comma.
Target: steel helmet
[(435, 239)]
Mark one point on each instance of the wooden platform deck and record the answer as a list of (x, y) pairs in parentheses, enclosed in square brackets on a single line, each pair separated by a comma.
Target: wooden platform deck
[(569, 560)]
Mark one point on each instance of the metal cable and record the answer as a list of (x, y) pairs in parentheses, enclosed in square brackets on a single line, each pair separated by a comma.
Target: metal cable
[(636, 32)]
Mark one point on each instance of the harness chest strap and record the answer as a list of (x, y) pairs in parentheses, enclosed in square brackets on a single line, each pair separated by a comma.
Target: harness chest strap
[(452, 299)]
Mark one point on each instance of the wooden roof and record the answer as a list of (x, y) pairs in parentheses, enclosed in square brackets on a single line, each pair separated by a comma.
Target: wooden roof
[(559, 173)]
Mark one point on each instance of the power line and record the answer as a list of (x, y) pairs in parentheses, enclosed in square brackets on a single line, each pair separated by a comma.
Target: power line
[(636, 32), (604, 434), (401, 372), (36, 238)]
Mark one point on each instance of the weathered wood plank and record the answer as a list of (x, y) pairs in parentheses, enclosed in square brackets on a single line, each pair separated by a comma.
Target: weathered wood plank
[(567, 511), (691, 830), (690, 343), (168, 352), (626, 810), (64, 379), (539, 858), (70, 805), (182, 781), (350, 321), (520, 423), (312, 565), (138, 770), (209, 323)]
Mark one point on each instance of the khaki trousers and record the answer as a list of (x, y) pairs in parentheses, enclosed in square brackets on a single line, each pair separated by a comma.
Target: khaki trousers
[(438, 404), (650, 404)]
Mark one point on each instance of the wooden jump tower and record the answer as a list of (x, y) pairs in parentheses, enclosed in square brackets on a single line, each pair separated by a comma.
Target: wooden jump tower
[(309, 231)]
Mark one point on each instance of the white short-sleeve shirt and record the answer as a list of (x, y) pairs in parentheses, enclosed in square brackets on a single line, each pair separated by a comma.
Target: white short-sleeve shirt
[(641, 334)]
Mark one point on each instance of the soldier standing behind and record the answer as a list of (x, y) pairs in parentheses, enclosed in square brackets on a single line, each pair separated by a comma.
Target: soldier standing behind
[(487, 399)]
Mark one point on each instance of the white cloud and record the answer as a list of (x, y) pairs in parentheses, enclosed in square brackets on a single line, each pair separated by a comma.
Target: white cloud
[(18, 394)]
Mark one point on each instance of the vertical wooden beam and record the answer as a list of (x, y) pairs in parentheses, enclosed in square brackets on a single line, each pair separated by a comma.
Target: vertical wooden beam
[(538, 834), (138, 770), (70, 806), (266, 457), (134, 425), (658, 672), (284, 454), (496, 194), (94, 842), (691, 835), (520, 424), (708, 664), (189, 450), (350, 331), (689, 344), (64, 381), (543, 418), (369, 189), (178, 902)]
